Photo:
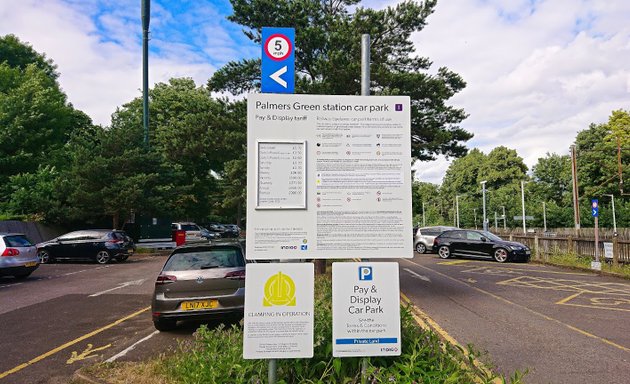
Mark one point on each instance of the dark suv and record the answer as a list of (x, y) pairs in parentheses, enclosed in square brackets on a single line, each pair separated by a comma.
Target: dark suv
[(100, 245)]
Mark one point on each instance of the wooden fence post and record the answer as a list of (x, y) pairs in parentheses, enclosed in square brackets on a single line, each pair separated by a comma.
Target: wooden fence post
[(569, 244), (537, 246), (615, 251)]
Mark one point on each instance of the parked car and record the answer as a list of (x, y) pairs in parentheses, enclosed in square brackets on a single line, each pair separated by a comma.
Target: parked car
[(423, 239), (482, 244), (18, 255), (217, 228), (204, 281), (193, 231), (100, 245), (231, 230), (206, 234)]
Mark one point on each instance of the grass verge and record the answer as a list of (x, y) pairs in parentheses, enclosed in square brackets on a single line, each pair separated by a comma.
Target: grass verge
[(215, 356), (573, 260)]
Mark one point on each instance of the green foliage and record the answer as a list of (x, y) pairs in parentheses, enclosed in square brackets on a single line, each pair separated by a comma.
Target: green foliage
[(20, 55), (216, 357), (328, 61)]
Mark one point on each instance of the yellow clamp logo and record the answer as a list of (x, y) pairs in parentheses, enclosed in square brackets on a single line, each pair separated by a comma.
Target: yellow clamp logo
[(279, 290)]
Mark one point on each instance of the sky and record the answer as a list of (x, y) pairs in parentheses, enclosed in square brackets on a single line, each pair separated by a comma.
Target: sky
[(537, 71)]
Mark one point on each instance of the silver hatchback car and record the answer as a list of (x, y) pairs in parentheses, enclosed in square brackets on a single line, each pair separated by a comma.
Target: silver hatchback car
[(423, 240), (199, 282), (18, 255)]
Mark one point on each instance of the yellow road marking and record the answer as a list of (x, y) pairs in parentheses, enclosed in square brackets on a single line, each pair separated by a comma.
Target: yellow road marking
[(571, 327), (69, 344), (569, 298), (427, 323), (86, 354), (454, 262), (508, 270)]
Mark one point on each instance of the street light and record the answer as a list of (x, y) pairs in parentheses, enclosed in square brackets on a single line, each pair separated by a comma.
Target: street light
[(457, 209), (504, 225), (483, 191), (523, 204), (545, 216), (423, 220), (612, 198)]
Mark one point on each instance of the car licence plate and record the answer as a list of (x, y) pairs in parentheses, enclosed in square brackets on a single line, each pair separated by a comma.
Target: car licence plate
[(30, 264), (199, 304)]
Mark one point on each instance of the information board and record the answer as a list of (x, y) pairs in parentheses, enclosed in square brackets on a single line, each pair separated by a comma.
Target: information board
[(366, 309), (281, 175), (278, 317), (328, 177)]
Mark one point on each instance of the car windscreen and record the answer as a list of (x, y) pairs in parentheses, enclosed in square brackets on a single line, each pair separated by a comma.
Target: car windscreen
[(17, 241), (219, 257), (492, 236)]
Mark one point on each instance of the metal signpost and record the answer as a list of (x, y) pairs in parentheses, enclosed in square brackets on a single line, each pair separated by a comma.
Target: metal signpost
[(596, 265), (278, 60)]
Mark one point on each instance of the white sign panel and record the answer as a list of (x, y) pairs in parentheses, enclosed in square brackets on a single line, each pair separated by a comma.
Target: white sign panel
[(366, 309), (278, 320), (328, 177), (608, 250)]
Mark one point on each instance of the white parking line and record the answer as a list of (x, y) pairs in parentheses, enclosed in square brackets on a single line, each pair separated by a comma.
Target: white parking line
[(419, 276), (130, 348), (122, 285), (10, 285)]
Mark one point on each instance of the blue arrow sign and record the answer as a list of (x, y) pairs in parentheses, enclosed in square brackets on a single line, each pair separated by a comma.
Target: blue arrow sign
[(595, 208), (278, 60)]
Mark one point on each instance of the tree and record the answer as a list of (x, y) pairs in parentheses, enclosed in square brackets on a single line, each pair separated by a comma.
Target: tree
[(328, 51), (20, 55)]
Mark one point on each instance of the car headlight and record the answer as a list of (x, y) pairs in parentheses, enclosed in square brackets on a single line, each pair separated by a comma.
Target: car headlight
[(516, 247)]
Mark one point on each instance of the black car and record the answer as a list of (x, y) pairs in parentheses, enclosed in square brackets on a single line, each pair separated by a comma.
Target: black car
[(100, 245), (231, 230), (483, 244)]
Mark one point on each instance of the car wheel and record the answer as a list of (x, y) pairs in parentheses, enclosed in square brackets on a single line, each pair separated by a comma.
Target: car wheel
[(444, 252), (44, 257), (102, 257), (421, 248), (501, 255), (164, 325)]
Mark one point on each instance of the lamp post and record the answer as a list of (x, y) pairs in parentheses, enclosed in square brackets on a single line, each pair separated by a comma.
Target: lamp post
[(457, 210), (475, 215), (483, 191), (523, 204), (545, 216), (504, 218), (612, 198), (423, 219), (496, 225)]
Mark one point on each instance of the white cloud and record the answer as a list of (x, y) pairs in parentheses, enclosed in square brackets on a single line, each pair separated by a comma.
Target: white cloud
[(536, 74)]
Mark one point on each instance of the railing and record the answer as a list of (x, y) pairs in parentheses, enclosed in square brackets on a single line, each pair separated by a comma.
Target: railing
[(545, 245)]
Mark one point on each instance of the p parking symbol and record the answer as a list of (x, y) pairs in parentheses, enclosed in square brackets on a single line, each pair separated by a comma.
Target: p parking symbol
[(365, 273)]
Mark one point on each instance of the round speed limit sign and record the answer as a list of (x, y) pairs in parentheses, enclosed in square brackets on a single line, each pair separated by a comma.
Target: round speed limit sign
[(278, 47)]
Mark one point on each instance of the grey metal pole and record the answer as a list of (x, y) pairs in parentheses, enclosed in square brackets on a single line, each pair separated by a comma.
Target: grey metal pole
[(576, 196), (271, 375), (504, 218), (496, 225), (545, 216), (523, 204), (365, 65), (483, 191), (475, 215), (146, 17)]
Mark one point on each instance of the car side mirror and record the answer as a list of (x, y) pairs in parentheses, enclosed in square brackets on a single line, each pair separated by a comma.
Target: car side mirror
[(484, 239)]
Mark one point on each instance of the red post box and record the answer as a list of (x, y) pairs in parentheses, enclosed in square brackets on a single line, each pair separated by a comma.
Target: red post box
[(180, 238)]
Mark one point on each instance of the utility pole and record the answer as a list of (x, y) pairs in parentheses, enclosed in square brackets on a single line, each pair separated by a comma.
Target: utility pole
[(475, 215), (576, 197), (423, 220), (146, 17), (544, 216), (612, 199), (496, 225), (504, 218)]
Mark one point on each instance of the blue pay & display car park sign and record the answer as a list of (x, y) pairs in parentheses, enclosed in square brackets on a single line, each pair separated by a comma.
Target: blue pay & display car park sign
[(278, 60)]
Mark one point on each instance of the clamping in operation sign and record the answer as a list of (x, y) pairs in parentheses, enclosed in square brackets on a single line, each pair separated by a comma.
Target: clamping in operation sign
[(278, 312), (278, 60), (366, 309)]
